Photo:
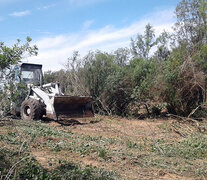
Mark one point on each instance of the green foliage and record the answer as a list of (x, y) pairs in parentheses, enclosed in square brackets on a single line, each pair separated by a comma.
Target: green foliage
[(31, 169), (58, 76), (191, 22), (12, 55), (200, 57), (183, 82), (142, 45), (143, 73), (117, 92), (163, 51), (12, 93), (98, 66), (12, 96), (121, 56)]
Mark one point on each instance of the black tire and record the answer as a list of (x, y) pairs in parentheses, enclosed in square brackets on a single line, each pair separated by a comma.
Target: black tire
[(31, 109)]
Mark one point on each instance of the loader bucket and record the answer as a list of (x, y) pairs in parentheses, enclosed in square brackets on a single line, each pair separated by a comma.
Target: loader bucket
[(73, 106)]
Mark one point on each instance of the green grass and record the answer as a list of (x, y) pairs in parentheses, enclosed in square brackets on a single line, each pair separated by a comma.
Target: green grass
[(175, 156), (29, 168), (188, 157), (193, 147), (102, 153)]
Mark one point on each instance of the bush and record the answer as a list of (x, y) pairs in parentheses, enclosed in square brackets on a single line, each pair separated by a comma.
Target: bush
[(184, 83)]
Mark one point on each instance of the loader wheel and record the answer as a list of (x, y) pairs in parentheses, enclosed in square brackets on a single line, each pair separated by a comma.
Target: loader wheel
[(31, 109)]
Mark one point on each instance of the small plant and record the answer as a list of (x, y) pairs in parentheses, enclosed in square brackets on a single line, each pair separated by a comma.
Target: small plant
[(193, 147), (102, 153), (130, 144)]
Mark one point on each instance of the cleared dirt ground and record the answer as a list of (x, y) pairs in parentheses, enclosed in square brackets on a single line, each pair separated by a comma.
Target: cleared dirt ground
[(132, 149)]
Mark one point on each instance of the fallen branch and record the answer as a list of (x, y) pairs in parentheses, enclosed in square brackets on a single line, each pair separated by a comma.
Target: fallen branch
[(184, 119), (11, 170), (193, 111)]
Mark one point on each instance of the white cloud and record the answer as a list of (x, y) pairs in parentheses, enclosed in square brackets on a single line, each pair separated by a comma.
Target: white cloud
[(1, 19), (87, 24), (46, 7), (54, 51), (20, 13)]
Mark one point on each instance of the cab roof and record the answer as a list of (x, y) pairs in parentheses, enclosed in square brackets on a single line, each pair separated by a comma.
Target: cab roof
[(31, 66)]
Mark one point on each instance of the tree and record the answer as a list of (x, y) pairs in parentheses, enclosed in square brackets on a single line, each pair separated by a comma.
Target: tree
[(13, 55), (74, 77), (10, 56), (163, 51), (142, 44), (191, 26), (121, 56)]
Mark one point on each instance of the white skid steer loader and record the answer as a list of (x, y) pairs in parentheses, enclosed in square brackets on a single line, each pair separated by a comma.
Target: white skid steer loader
[(48, 99)]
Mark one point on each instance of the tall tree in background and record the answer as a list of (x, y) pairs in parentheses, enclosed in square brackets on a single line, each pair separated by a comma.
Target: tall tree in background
[(162, 53), (191, 26), (121, 56), (142, 44)]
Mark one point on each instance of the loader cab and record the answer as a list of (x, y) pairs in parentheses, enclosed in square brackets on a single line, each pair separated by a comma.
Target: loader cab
[(30, 74)]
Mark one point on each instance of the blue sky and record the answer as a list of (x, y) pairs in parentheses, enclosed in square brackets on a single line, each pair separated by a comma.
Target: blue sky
[(59, 27)]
